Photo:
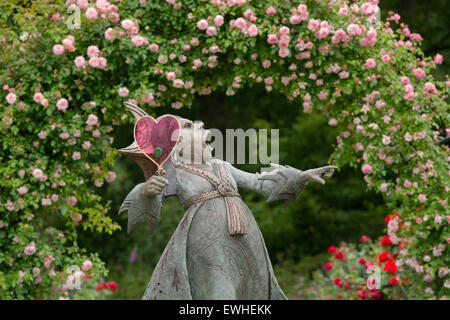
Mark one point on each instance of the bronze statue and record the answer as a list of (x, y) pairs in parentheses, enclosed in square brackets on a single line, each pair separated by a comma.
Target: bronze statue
[(217, 250)]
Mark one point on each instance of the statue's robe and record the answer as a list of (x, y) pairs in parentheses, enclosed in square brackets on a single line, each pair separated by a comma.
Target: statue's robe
[(202, 260)]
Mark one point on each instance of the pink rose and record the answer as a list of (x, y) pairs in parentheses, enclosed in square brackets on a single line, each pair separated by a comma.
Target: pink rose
[(153, 47), (62, 104), (422, 198), (211, 31), (80, 62), (91, 13), (139, 41), (30, 249), (218, 20), (37, 173), (354, 30), (83, 4), (76, 155), (438, 59), (72, 200), (333, 122), (202, 24), (86, 145), (127, 24), (123, 92), (58, 49), (252, 30), (367, 169), (370, 63), (77, 218), (93, 51), (271, 11), (11, 98), (430, 87), (22, 190), (92, 120), (386, 139), (110, 177), (419, 73), (87, 264), (109, 34)]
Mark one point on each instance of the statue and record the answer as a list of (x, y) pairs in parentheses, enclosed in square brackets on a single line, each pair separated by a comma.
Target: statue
[(217, 250)]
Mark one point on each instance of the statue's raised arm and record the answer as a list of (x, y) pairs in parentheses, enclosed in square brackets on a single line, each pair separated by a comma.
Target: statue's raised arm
[(282, 182)]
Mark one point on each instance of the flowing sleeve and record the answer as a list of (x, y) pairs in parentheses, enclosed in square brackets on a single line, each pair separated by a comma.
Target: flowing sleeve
[(280, 183), (141, 208)]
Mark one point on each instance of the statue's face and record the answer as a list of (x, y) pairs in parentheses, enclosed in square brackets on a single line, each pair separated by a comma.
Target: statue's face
[(193, 145)]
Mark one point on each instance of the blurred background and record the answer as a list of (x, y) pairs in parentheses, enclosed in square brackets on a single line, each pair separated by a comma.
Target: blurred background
[(297, 238)]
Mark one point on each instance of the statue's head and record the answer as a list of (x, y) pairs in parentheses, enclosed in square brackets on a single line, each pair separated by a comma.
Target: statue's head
[(192, 146)]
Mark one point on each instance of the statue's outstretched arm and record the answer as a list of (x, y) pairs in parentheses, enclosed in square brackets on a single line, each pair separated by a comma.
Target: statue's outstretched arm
[(142, 208), (282, 182)]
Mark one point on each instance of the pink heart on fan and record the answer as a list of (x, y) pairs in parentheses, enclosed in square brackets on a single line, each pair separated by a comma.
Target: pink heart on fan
[(157, 139)]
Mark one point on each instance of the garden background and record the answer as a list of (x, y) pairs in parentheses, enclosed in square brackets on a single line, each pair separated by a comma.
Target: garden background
[(300, 240)]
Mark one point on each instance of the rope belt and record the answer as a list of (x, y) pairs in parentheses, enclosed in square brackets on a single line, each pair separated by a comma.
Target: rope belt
[(237, 221)]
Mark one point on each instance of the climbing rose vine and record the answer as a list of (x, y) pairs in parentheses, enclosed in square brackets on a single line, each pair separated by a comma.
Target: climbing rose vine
[(66, 69)]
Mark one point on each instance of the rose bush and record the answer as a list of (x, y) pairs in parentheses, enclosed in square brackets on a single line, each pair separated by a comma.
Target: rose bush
[(67, 68), (381, 269)]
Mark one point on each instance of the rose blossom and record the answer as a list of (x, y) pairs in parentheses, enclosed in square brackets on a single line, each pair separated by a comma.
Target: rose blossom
[(80, 62), (62, 104), (30, 249), (218, 20), (76, 155), (93, 51), (87, 264), (37, 173), (72, 200), (92, 120), (422, 198), (11, 98), (367, 169), (123, 92), (22, 190), (91, 13), (77, 218), (202, 24), (384, 186), (58, 49)]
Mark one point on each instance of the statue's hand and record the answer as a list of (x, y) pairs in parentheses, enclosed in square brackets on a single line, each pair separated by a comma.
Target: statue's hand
[(318, 174), (155, 185)]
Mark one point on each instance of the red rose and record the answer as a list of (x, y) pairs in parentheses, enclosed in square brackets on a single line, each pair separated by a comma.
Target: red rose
[(338, 282), (339, 255), (394, 281), (390, 267), (104, 285), (364, 239), (332, 249), (387, 219), (386, 241), (328, 266), (375, 293), (113, 286), (362, 261), (363, 294), (383, 256), (37, 299), (99, 287)]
